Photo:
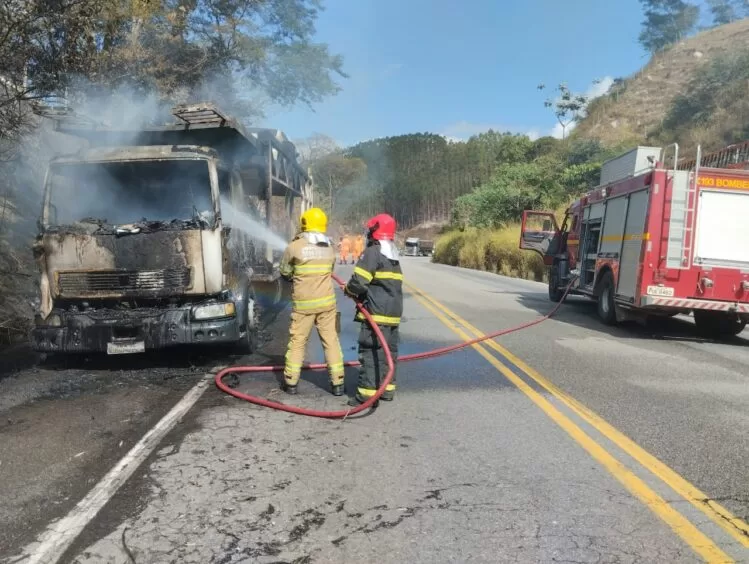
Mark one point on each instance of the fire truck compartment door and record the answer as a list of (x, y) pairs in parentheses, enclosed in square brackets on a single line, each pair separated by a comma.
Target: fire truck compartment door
[(629, 262), (613, 227), (722, 233)]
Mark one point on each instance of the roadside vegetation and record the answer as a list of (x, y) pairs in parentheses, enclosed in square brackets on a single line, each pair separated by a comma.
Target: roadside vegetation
[(491, 250)]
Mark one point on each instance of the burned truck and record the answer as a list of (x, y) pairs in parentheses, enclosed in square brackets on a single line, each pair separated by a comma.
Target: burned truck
[(168, 235)]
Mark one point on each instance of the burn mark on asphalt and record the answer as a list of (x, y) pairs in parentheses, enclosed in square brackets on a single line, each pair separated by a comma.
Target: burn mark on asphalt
[(409, 512), (376, 523), (263, 549), (281, 485), (270, 510), (311, 518)]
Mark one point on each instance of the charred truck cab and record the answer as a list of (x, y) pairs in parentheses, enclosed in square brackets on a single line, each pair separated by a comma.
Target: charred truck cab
[(655, 241), (139, 247)]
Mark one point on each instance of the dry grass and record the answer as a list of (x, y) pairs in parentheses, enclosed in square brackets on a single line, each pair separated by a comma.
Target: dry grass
[(490, 250), (639, 106)]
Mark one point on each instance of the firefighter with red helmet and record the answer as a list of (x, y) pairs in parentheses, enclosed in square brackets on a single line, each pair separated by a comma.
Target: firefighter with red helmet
[(377, 283)]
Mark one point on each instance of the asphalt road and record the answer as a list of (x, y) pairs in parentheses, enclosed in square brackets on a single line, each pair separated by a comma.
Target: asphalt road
[(566, 442)]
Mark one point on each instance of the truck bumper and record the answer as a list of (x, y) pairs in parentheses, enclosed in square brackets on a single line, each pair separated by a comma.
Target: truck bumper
[(689, 303), (131, 331)]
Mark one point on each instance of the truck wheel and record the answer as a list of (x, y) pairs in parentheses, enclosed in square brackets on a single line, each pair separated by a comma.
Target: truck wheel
[(716, 324), (248, 343), (606, 304), (555, 292)]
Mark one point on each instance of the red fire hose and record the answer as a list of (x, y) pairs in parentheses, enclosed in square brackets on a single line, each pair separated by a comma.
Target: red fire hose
[(388, 377)]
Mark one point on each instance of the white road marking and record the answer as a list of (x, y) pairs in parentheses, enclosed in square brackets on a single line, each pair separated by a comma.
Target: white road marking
[(57, 538)]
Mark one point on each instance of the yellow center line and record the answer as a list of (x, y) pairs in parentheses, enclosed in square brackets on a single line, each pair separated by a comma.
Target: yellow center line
[(690, 534), (720, 515)]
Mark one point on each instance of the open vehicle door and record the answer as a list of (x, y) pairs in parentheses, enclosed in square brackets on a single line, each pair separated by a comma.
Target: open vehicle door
[(537, 231)]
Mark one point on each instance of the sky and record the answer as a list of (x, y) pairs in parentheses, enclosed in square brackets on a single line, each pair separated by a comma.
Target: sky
[(458, 68)]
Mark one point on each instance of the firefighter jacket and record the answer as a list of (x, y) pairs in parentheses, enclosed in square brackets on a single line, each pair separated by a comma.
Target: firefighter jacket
[(378, 283), (308, 264)]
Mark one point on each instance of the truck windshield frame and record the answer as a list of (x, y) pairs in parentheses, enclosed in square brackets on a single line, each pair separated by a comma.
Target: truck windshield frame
[(118, 192)]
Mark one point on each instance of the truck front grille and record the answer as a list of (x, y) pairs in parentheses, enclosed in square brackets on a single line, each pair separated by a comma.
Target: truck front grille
[(73, 284)]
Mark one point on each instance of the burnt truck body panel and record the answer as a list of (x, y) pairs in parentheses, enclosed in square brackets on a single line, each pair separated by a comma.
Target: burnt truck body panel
[(154, 328), (132, 266), (264, 159), (134, 251)]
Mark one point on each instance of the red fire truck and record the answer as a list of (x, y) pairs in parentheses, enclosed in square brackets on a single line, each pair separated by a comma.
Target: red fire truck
[(653, 240)]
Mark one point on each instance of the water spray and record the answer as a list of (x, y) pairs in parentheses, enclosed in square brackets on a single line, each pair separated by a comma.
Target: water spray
[(251, 226)]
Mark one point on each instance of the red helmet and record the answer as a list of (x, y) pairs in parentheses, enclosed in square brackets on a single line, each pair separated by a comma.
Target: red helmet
[(382, 227)]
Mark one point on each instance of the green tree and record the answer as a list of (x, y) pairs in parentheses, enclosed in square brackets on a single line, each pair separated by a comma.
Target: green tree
[(723, 11), (568, 107), (545, 146), (334, 173), (512, 189), (240, 53), (666, 22)]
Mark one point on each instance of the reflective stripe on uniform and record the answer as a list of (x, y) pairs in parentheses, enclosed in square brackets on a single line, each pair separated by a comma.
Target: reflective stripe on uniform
[(363, 273), (292, 368), (312, 304), (336, 369), (368, 393), (365, 392), (383, 319), (388, 276), (304, 269)]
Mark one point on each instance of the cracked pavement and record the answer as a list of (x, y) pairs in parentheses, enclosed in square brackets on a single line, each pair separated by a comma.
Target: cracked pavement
[(318, 491)]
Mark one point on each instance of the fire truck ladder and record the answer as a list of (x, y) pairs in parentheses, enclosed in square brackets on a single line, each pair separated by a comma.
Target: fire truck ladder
[(733, 156), (681, 220)]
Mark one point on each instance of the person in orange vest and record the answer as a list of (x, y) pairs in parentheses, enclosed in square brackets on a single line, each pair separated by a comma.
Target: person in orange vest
[(345, 249), (358, 248)]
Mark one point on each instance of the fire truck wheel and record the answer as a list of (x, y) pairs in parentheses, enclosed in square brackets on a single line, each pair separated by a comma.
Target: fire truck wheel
[(716, 324), (555, 292), (606, 305)]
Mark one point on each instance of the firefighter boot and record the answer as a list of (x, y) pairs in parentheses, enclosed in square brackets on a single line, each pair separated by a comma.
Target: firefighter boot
[(290, 389), (337, 389), (355, 402)]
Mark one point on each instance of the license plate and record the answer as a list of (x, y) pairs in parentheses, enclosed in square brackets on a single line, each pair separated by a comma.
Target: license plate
[(660, 291), (127, 347)]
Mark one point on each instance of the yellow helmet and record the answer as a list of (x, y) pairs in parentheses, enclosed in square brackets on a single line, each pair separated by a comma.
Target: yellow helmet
[(314, 219)]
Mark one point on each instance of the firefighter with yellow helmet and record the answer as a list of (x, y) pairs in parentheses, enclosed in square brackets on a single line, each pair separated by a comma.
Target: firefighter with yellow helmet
[(308, 264)]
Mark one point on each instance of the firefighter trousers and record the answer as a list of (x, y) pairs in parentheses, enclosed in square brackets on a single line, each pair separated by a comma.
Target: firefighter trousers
[(301, 327), (374, 366)]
